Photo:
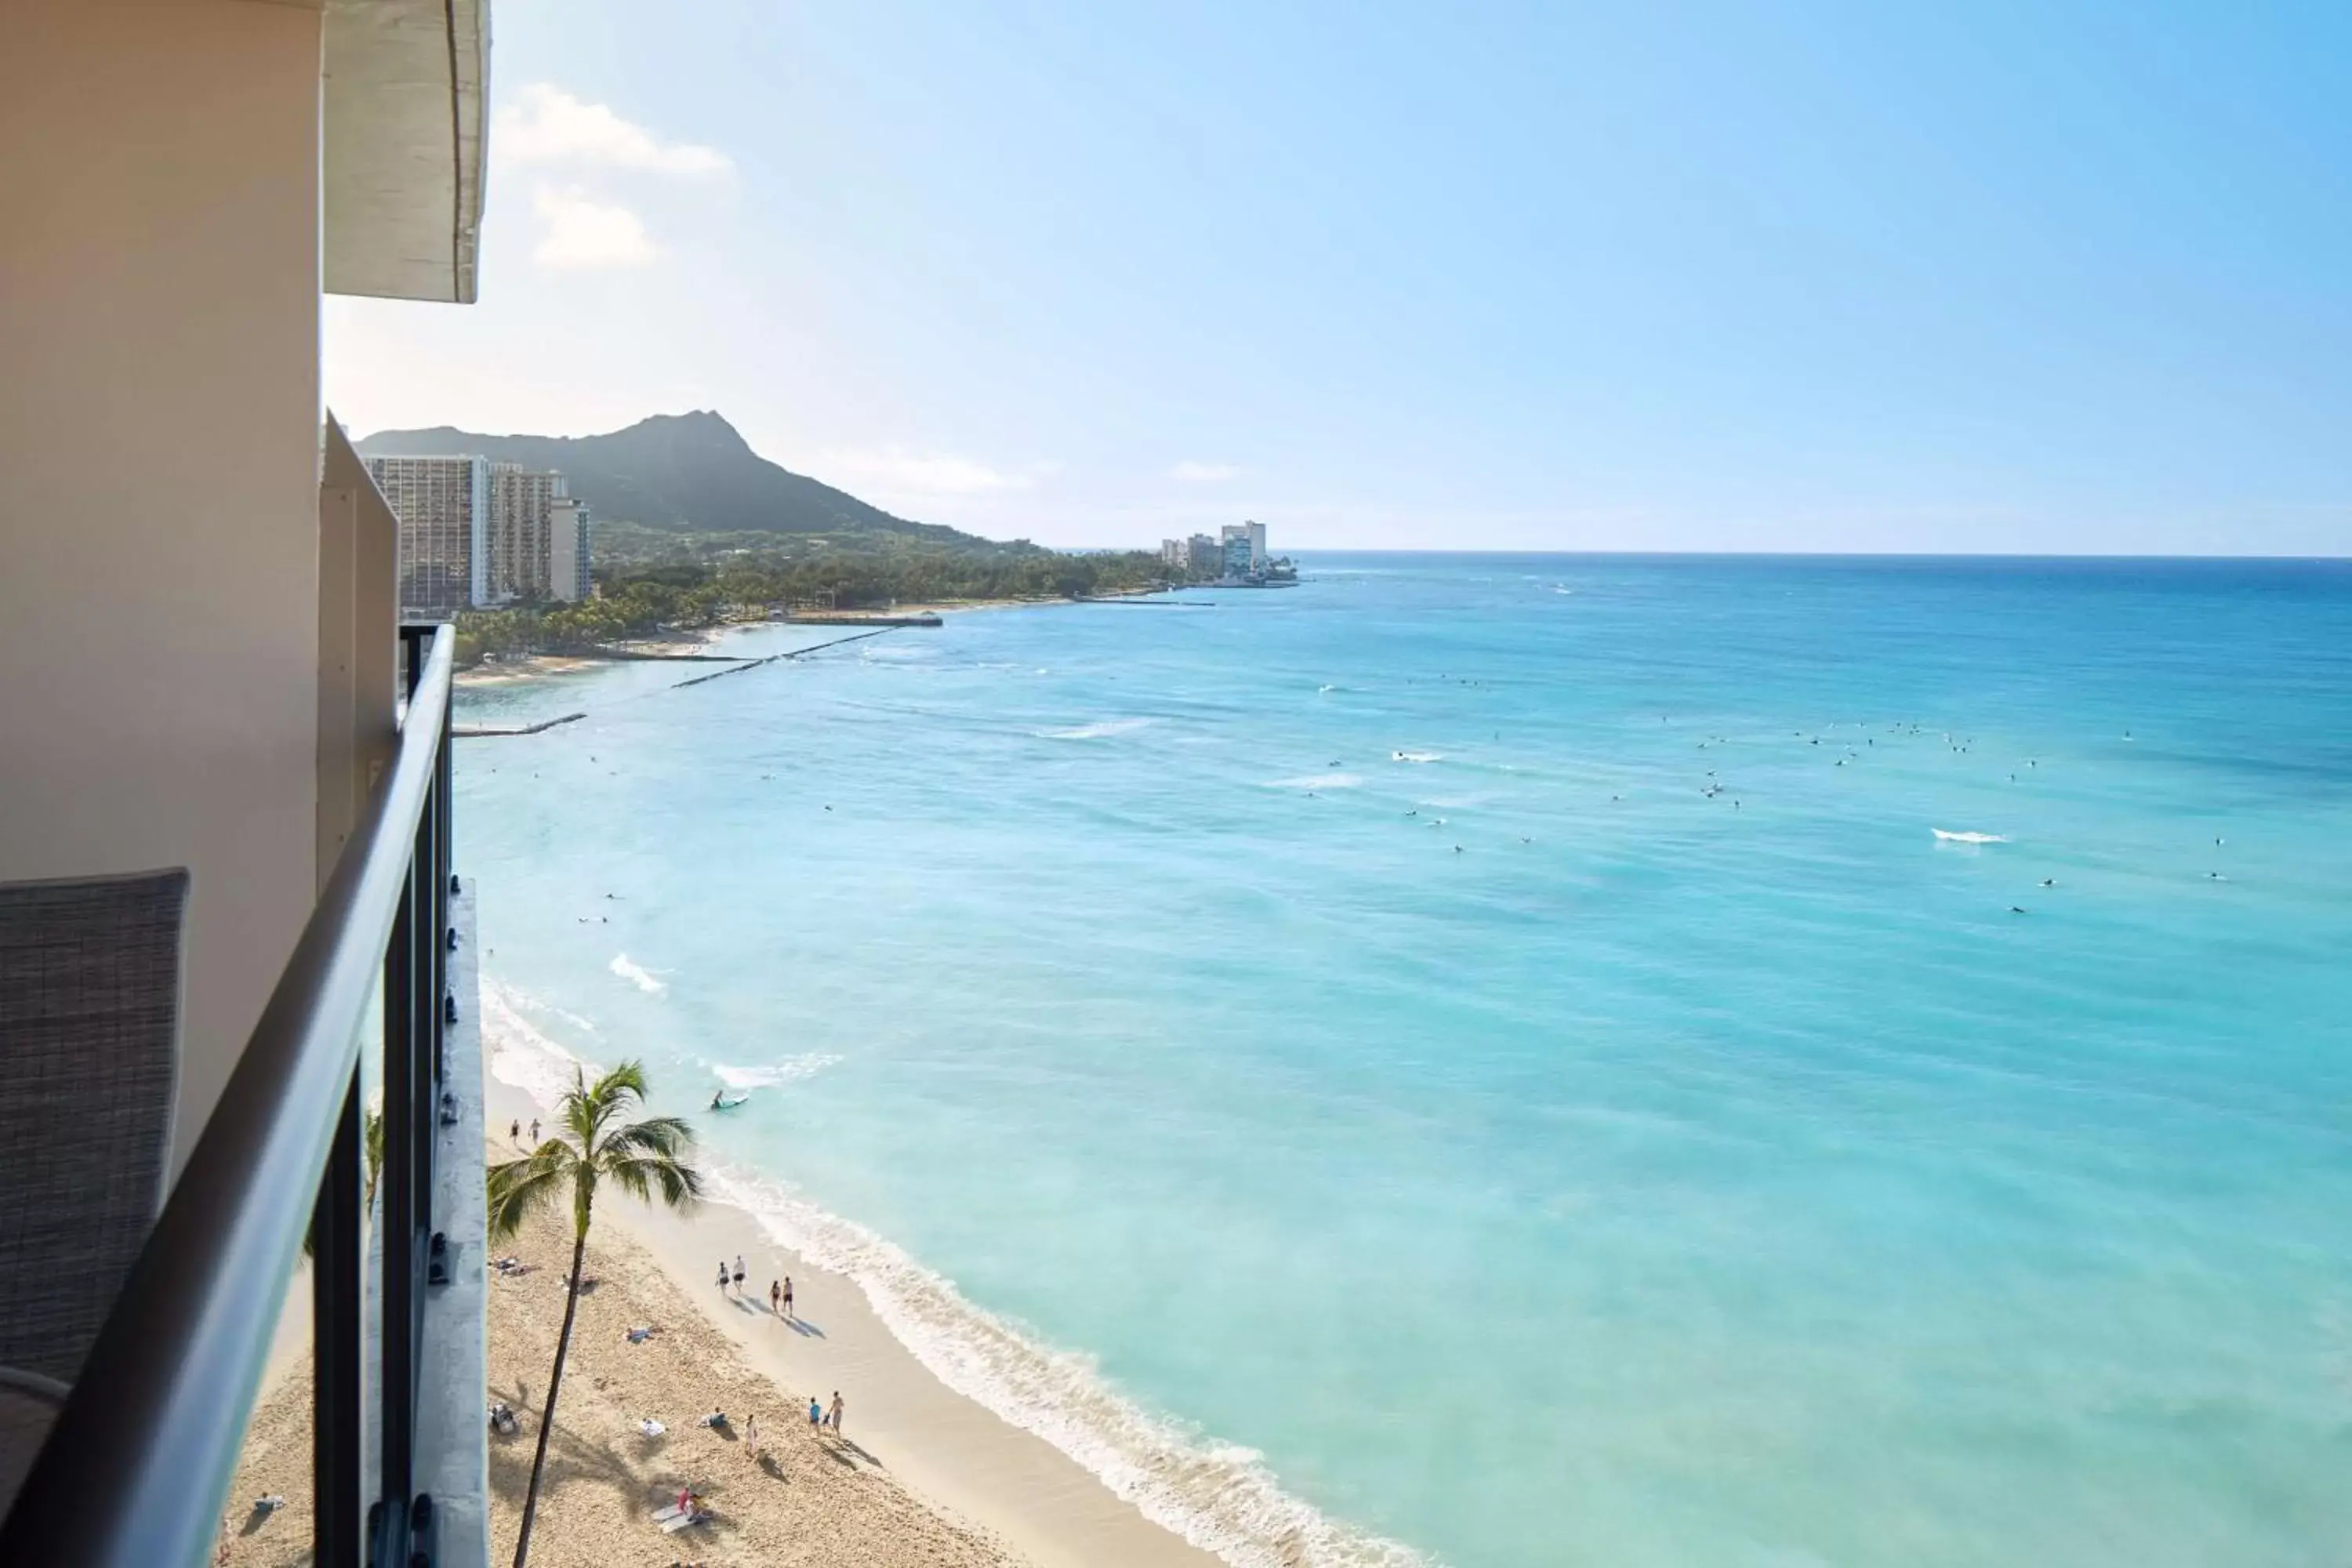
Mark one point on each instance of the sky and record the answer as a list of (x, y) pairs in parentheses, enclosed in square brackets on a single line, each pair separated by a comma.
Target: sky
[(2005, 278)]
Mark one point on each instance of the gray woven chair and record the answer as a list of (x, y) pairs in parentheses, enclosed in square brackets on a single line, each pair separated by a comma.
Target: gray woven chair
[(89, 1010)]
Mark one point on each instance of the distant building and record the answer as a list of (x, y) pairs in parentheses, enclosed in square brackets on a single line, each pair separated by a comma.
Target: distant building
[(567, 552), (1242, 550), (1205, 556), (475, 533), (1175, 556), (444, 507), (522, 502)]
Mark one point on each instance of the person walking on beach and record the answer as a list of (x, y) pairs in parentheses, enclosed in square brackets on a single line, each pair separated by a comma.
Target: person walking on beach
[(752, 1437), (722, 1276), (775, 1299), (514, 1131), (534, 1131), (788, 1297), (817, 1413), (833, 1417), (738, 1274)]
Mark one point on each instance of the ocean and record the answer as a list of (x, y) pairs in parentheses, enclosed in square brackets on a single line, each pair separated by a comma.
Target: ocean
[(1487, 1059)]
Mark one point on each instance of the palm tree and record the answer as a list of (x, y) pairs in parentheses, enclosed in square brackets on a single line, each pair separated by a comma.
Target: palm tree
[(592, 1145), (373, 1142)]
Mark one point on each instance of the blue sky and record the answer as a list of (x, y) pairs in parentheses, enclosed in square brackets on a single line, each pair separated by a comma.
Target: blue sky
[(1674, 277)]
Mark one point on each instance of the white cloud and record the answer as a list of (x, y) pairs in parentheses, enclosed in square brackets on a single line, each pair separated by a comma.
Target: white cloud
[(1204, 473), (548, 125), (581, 233), (907, 470)]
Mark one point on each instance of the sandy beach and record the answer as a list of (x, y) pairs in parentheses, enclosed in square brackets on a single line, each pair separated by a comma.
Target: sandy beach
[(919, 1475), (533, 666), (1004, 1485), (705, 640), (804, 1497)]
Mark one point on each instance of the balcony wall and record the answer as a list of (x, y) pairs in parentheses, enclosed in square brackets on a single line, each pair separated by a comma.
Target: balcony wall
[(159, 484)]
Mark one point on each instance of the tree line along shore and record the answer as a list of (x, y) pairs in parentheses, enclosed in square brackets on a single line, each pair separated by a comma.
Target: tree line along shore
[(648, 587)]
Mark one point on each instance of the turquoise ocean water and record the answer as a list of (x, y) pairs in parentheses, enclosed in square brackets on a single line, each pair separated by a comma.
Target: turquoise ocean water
[(1664, 1177)]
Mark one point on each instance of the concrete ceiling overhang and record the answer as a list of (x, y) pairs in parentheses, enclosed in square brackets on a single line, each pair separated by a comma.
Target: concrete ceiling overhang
[(406, 105)]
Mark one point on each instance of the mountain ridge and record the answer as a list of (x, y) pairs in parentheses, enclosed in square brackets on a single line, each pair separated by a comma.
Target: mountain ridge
[(680, 473)]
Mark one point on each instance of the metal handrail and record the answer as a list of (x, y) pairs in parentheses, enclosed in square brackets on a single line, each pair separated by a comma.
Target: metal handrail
[(134, 1473)]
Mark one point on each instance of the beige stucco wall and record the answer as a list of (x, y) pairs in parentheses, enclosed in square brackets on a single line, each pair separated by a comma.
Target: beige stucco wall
[(159, 502)]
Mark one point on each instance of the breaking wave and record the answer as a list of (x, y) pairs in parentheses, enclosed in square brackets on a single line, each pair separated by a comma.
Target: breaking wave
[(791, 1070), (637, 974), (1094, 732), (1969, 837)]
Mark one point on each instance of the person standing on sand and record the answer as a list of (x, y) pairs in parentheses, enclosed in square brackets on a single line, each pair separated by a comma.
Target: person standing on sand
[(534, 1131), (514, 1131), (738, 1274), (788, 1297), (775, 1299), (722, 1276), (833, 1417), (817, 1413)]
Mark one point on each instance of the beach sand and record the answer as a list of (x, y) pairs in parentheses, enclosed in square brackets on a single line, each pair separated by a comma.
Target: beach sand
[(1039, 1504), (922, 1474), (807, 1498)]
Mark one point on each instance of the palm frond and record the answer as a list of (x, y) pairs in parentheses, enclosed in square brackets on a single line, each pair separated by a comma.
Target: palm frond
[(519, 1188), (662, 1137), (642, 1176)]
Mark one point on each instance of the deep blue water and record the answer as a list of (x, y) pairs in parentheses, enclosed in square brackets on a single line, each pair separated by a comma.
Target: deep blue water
[(1340, 1020)]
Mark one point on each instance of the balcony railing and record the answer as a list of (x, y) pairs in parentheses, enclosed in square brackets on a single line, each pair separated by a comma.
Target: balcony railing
[(136, 1470)]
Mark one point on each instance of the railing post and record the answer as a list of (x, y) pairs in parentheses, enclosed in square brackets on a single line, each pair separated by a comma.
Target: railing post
[(338, 1289)]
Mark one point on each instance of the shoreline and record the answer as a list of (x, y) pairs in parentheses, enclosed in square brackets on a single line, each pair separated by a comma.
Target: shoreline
[(703, 642), (971, 1466)]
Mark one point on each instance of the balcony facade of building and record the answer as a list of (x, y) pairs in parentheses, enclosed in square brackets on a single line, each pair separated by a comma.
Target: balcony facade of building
[(229, 934)]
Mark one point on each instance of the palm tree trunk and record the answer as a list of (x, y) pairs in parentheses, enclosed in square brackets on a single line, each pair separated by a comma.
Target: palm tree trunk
[(554, 1382)]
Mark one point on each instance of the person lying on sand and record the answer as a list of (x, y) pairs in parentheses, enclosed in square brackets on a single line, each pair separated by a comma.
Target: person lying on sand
[(638, 1334)]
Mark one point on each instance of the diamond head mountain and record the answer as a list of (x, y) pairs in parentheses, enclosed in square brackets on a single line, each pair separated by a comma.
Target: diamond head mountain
[(681, 473)]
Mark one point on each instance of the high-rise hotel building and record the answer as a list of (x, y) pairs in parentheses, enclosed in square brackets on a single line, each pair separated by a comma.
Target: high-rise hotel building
[(475, 533), (444, 507)]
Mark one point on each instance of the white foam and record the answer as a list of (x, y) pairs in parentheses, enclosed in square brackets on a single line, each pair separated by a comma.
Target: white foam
[(523, 1001), (520, 1056), (1218, 1496), (789, 1071), (1969, 837), (1094, 732), (637, 974), (1416, 756), (1318, 781)]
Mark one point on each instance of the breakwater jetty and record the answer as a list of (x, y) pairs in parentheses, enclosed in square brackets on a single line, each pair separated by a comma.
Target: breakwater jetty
[(484, 731)]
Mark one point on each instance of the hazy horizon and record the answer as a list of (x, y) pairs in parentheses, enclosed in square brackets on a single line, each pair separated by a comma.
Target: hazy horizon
[(1695, 280)]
